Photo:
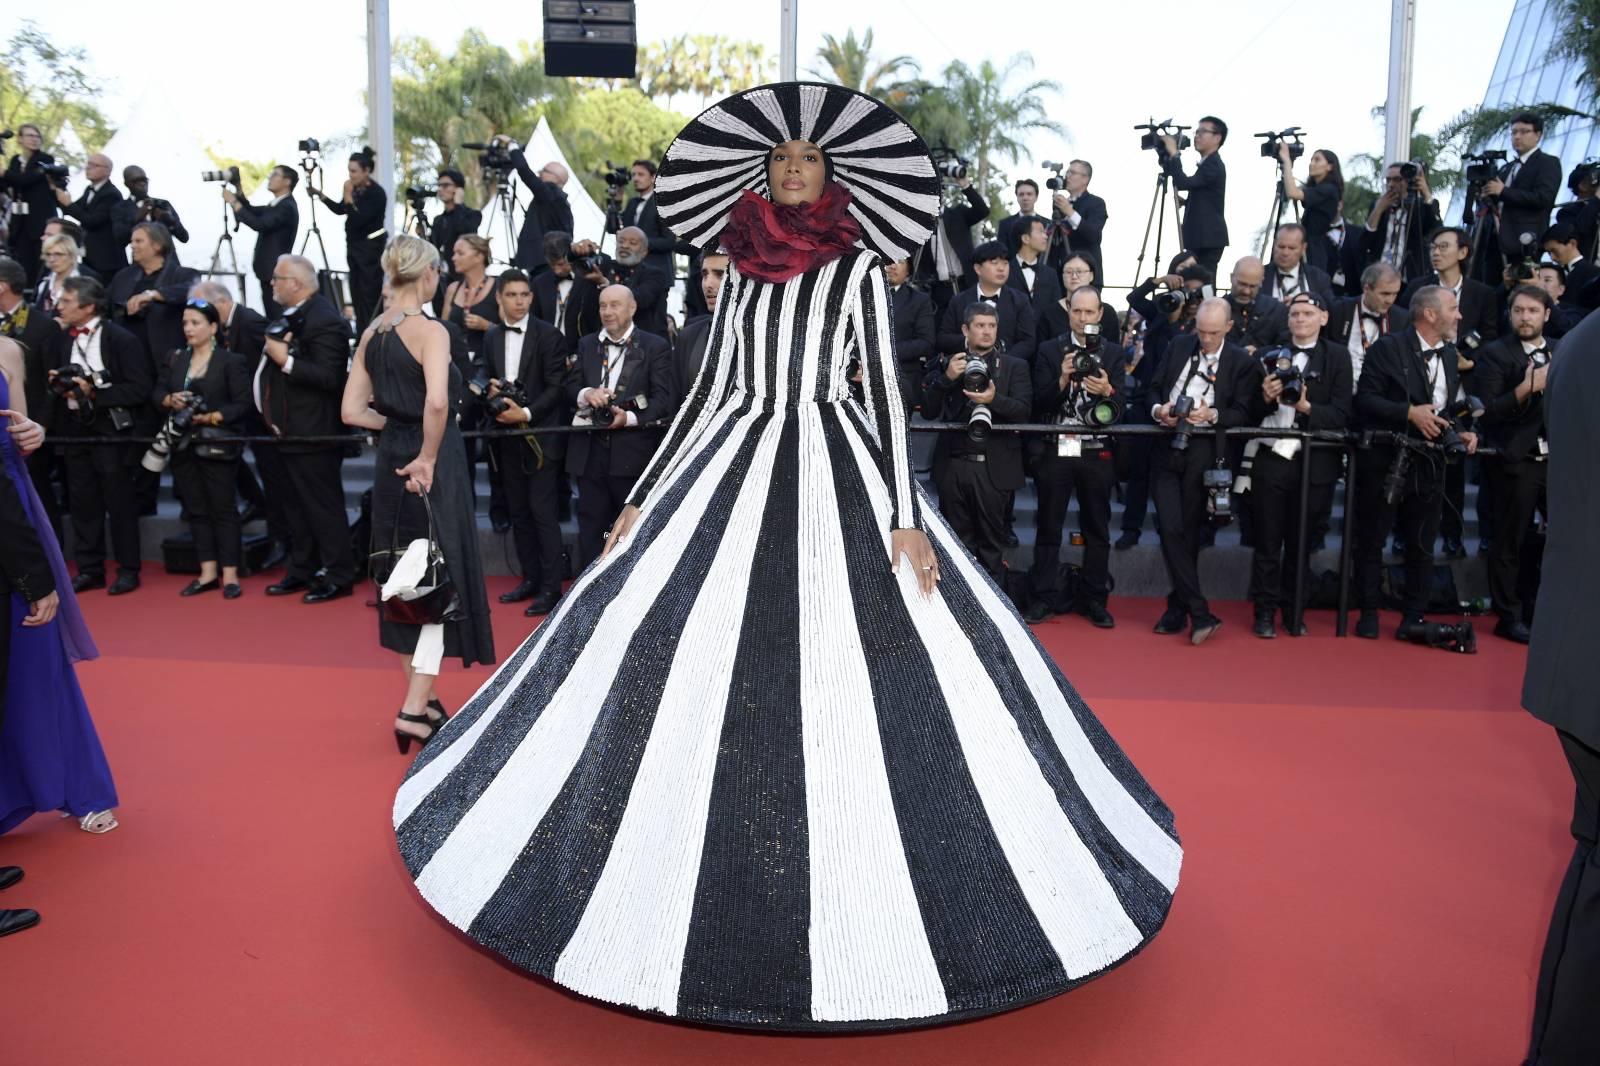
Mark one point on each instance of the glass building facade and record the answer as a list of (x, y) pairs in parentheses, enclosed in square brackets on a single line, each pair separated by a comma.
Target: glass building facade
[(1524, 73)]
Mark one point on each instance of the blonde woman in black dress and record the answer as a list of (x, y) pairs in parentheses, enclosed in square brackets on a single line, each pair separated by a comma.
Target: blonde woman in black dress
[(403, 385)]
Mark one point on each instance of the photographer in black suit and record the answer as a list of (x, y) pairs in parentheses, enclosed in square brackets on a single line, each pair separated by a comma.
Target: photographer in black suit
[(110, 398), (1290, 273), (1580, 277), (1084, 466), (455, 220), (147, 295), (561, 296), (1218, 381), (978, 471), (1400, 220), (531, 357), (1525, 192), (1307, 386), (1510, 377), (632, 268), (31, 178), (1026, 191), (275, 224), (614, 369), (94, 209), (1205, 227), (1259, 321), (1030, 270), (640, 211), (1559, 689), (1407, 380), (945, 266), (913, 330), (298, 388), (140, 207), (548, 208), (1080, 216), (1015, 311), (689, 347), (1449, 250)]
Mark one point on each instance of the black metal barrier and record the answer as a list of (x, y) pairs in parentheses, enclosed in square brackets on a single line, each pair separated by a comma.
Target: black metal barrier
[(1347, 442)]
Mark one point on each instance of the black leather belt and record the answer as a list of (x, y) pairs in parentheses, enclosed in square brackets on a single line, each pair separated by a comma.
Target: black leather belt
[(971, 457)]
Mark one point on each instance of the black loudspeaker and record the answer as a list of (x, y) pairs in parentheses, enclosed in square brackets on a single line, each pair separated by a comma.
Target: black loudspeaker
[(590, 39)]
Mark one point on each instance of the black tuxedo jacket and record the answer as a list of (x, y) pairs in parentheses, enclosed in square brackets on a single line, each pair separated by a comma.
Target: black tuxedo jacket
[(1526, 203), (275, 228), (1091, 226), (1583, 285), (225, 386), (1048, 398), (1237, 395), (125, 216), (643, 213), (1204, 225), (1342, 317), (448, 226), (647, 371), (913, 328), (1423, 222), (1393, 379), (958, 222), (1015, 315), (583, 306), (304, 401), (943, 401), (542, 373), (1512, 427), (1053, 322), (160, 324), (1006, 231), (1046, 285), (1332, 403), (650, 286), (689, 353), (29, 185), (39, 335), (94, 211), (1479, 310), (246, 334), (131, 373), (1563, 670), (1312, 277), (548, 212), (1263, 324)]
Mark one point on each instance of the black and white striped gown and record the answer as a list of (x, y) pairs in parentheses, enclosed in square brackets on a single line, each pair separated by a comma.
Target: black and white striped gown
[(747, 775)]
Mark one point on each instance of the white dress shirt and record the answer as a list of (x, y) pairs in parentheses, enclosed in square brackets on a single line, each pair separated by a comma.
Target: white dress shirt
[(1199, 380), (1433, 366), (613, 366)]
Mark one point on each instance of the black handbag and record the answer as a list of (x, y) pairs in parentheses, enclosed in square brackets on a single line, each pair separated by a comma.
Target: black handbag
[(436, 599), (208, 444)]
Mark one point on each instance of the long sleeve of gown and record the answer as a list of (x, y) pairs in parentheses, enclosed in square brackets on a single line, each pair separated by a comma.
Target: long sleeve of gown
[(701, 404), (873, 319)]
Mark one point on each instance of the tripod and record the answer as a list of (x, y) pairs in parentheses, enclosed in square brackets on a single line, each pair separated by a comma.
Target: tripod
[(226, 240), (1270, 233), (1158, 218), (325, 277), (504, 205)]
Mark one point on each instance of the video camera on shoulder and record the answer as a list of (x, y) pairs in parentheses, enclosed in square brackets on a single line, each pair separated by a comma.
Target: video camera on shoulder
[(1280, 365), (1294, 137)]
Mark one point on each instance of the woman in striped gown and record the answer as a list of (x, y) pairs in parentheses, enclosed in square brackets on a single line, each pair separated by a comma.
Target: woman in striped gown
[(785, 757)]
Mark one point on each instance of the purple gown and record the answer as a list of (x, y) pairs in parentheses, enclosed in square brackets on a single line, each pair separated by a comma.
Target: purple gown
[(50, 756)]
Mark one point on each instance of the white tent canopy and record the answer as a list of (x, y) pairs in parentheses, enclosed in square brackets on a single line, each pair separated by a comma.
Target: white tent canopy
[(588, 220)]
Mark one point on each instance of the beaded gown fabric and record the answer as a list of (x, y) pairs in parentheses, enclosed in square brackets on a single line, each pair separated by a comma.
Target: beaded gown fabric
[(746, 774)]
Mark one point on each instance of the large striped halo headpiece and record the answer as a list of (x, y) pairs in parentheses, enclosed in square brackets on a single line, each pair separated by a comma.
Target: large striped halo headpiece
[(876, 155)]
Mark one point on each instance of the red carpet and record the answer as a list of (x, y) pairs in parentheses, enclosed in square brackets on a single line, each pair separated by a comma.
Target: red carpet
[(1374, 835)]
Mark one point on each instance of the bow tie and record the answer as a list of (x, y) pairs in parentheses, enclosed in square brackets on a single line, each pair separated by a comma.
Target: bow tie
[(78, 331), (1429, 353), (1302, 351), (512, 329), (1370, 316)]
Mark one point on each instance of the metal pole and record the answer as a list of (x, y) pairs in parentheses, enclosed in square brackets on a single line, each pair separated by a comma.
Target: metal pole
[(1302, 555), (789, 41), (1347, 536), (380, 103), (1397, 109)]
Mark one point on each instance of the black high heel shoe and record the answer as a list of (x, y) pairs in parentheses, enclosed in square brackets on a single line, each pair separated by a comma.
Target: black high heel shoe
[(444, 715), (403, 740)]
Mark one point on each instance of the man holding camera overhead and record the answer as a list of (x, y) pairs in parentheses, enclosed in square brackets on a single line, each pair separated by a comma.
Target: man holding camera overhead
[(1205, 229), (1407, 387), (548, 210), (1077, 382), (976, 472), (1306, 385), (275, 224), (1206, 383)]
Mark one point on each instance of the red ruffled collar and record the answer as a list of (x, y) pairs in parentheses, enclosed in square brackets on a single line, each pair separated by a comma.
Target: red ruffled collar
[(776, 242)]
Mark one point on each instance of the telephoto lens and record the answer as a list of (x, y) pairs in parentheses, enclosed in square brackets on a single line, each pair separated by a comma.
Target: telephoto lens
[(975, 378), (1182, 408)]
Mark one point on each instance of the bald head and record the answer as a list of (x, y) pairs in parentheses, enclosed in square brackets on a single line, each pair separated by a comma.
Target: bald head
[(97, 168), (632, 246), (1247, 276), (1212, 322), (554, 173), (617, 307)]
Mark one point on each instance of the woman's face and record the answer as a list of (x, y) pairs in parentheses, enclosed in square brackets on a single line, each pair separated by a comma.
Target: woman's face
[(57, 261), (197, 328), (358, 173), (1075, 274), (1319, 166), (796, 173), (465, 257)]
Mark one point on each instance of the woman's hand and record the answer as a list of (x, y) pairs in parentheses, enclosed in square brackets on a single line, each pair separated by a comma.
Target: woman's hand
[(914, 545), (620, 528), (418, 474), (477, 322)]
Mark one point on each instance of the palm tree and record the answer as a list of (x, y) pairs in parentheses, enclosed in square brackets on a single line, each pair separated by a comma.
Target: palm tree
[(850, 63), (986, 117)]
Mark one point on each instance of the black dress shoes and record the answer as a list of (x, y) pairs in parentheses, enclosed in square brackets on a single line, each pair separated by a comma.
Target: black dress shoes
[(17, 921), (1175, 620), (196, 587), (1204, 625), (288, 585), (1264, 627), (1367, 625), (543, 603), (1452, 549), (1098, 616), (276, 557), (525, 590), (85, 582), (10, 875), (1128, 539), (126, 582), (1512, 629), (232, 592), (1037, 612), (324, 593)]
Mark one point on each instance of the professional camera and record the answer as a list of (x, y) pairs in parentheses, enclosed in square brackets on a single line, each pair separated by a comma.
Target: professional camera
[(55, 173), (949, 164), (1218, 483), (511, 394), (604, 416), (66, 388), (418, 194), (1409, 172), (1280, 365), (980, 420), (599, 261), (310, 154), (1182, 408), (1451, 636), (1154, 131), (494, 159), (278, 328), (174, 434), (1293, 137), (1464, 348), (1483, 167), (230, 176), (616, 178), (1170, 300), (7, 134), (1056, 182), (1086, 360), (975, 378)]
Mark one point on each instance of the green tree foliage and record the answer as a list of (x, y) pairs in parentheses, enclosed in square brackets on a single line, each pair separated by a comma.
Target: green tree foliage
[(1439, 152), (701, 65), (48, 86), (849, 62), (1578, 40), (619, 126)]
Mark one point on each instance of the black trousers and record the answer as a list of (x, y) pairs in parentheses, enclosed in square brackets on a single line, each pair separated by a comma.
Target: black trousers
[(100, 482), (1091, 476), (39, 471), (1518, 486), (1275, 485), (975, 509), (1566, 1026), (319, 526), (1136, 493), (601, 498), (533, 501), (366, 290), (1179, 493), (207, 488), (1418, 516)]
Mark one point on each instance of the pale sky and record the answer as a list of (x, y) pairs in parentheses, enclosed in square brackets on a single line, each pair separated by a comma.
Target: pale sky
[(253, 86)]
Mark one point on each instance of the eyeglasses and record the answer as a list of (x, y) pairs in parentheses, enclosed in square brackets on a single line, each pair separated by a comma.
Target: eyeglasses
[(1069, 272), (278, 277)]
